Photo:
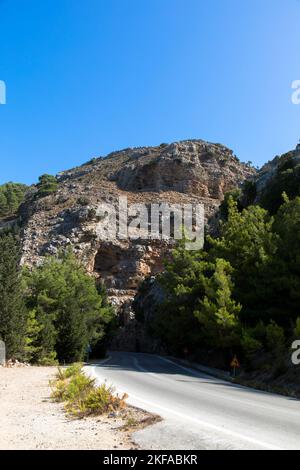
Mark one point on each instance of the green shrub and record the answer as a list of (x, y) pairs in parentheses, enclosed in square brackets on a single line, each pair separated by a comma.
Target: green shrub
[(235, 194), (47, 185), (250, 345), (286, 180), (101, 400), (259, 331), (275, 339), (297, 328), (70, 371), (81, 395), (78, 386), (73, 388), (58, 388), (49, 360), (11, 196), (249, 193), (97, 400)]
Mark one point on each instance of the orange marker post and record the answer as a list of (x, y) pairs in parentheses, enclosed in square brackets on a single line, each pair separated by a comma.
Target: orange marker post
[(234, 364)]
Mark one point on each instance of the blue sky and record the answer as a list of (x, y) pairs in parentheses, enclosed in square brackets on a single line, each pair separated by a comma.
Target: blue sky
[(86, 77)]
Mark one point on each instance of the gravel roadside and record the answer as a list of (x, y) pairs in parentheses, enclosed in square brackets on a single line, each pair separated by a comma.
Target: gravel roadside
[(30, 420)]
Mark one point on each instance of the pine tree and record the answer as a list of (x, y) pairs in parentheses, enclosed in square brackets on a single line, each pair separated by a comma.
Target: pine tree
[(47, 185), (69, 308), (218, 311), (199, 309), (13, 314), (249, 243), (11, 196), (285, 276)]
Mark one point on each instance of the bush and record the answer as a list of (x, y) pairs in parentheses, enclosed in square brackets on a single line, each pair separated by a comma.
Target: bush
[(81, 395), (98, 401), (297, 328), (47, 185), (11, 196), (72, 388), (235, 194), (49, 360), (59, 388), (249, 193), (70, 371), (259, 332), (78, 387), (286, 180), (60, 385), (250, 345), (275, 339)]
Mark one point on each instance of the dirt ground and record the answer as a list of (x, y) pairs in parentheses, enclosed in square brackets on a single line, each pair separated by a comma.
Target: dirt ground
[(30, 420)]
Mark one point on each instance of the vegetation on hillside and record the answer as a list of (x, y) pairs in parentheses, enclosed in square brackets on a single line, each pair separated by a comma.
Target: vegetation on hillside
[(54, 312), (11, 196), (47, 185), (12, 306), (287, 179), (241, 295), (70, 311)]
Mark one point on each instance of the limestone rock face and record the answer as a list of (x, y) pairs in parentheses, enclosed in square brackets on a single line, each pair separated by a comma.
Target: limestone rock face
[(192, 171), (191, 167)]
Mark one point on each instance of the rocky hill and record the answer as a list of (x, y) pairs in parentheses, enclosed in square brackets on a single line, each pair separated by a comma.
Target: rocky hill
[(277, 176), (182, 172)]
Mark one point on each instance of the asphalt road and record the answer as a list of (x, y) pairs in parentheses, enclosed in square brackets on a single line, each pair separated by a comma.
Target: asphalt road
[(199, 411)]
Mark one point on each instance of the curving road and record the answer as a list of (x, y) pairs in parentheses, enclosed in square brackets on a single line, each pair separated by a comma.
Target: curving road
[(199, 411)]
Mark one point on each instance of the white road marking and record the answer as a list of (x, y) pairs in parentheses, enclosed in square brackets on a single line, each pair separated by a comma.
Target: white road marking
[(220, 429), (187, 369), (201, 423), (276, 409)]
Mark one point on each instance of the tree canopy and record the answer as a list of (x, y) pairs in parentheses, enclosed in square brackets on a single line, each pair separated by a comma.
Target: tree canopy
[(69, 308), (11, 196)]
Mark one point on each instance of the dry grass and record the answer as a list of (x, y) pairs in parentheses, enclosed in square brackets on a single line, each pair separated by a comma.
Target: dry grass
[(81, 395), (137, 419)]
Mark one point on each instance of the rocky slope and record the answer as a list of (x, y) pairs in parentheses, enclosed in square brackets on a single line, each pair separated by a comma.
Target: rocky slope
[(265, 187), (270, 170), (182, 172)]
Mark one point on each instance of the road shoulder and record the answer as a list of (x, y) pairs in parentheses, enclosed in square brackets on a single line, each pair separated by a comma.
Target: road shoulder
[(30, 420)]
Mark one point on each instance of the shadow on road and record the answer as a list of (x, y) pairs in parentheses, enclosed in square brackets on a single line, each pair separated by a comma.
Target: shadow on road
[(150, 363)]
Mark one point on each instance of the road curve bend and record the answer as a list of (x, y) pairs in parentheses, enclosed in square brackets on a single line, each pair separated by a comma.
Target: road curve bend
[(200, 411)]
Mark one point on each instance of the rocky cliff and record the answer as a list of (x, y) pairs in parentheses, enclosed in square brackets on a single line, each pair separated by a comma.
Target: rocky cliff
[(182, 172), (266, 186)]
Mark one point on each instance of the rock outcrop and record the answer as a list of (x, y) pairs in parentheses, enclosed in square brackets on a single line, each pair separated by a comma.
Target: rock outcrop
[(266, 186), (269, 170), (183, 172)]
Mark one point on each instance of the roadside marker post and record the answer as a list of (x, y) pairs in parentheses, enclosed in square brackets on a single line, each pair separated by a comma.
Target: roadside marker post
[(2, 353), (235, 364)]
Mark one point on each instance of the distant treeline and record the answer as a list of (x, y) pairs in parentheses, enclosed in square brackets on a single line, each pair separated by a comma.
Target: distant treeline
[(12, 194)]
